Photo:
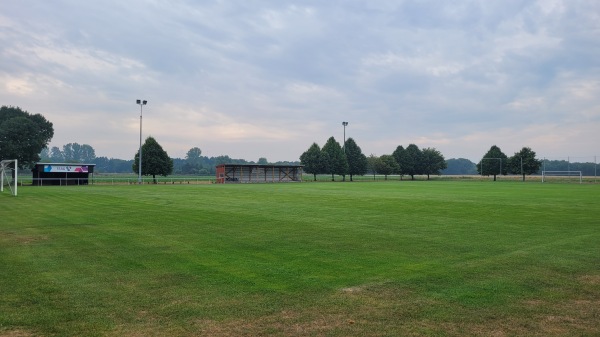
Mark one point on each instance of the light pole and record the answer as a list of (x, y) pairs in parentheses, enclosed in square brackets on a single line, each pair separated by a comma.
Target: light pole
[(141, 104), (345, 124)]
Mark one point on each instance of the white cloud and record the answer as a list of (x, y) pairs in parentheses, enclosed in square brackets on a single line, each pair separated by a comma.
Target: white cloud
[(269, 78)]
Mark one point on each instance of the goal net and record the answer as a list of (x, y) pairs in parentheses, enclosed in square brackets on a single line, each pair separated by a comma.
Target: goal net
[(9, 175), (564, 174)]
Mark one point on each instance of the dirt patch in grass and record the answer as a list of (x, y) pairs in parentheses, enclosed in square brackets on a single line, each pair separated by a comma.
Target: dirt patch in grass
[(285, 323), (15, 333), (590, 279), (572, 317), (365, 310), (389, 310), (22, 239)]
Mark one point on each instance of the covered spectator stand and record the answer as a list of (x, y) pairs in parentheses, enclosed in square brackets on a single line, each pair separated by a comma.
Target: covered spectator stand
[(62, 174), (255, 173)]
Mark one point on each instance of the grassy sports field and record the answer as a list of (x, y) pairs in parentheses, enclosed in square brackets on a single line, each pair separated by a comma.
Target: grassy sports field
[(438, 258)]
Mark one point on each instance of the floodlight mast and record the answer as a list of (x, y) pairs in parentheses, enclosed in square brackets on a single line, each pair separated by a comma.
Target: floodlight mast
[(141, 104), (345, 124)]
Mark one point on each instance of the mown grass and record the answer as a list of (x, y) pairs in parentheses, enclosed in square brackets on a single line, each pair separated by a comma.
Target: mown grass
[(330, 259)]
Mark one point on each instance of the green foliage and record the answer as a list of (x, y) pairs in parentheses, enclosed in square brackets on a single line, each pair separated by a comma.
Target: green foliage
[(372, 164), (587, 168), (193, 161), (494, 162), (336, 159), (155, 160), (56, 155), (386, 165), (399, 154), (524, 163), (412, 161), (312, 159), (75, 153), (23, 135), (357, 161), (432, 161), (369, 259)]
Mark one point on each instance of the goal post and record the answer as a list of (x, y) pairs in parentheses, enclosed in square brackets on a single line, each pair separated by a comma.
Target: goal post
[(562, 174), (482, 166), (9, 175)]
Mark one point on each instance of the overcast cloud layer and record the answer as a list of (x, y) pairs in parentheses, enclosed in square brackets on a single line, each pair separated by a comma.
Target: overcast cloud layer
[(257, 79)]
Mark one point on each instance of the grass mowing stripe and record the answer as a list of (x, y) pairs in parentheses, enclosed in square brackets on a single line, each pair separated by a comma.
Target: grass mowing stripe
[(417, 257)]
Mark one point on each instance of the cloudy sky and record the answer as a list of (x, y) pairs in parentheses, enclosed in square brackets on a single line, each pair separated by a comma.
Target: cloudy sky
[(259, 78)]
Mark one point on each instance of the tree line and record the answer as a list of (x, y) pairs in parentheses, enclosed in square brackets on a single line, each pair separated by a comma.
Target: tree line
[(194, 163), (524, 162), (495, 163), (349, 160), (25, 136), (333, 159)]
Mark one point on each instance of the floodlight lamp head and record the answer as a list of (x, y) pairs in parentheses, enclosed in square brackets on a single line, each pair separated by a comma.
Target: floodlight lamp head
[(137, 101), (144, 102), (344, 123)]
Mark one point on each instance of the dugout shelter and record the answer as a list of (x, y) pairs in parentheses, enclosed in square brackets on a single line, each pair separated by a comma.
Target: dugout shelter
[(62, 174), (257, 173)]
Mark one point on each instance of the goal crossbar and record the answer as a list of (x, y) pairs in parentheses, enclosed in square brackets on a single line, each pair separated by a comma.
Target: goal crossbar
[(562, 174), (5, 166), (481, 163)]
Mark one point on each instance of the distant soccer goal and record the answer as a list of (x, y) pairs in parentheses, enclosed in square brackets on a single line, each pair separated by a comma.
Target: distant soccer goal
[(9, 174), (568, 174), (482, 166)]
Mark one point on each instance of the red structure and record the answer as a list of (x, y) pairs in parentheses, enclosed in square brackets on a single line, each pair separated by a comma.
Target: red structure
[(254, 173)]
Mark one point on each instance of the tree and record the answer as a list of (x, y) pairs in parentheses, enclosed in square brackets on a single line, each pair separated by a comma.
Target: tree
[(325, 163), (223, 159), (399, 154), (193, 161), (357, 161), (312, 160), (56, 155), (494, 162), (412, 161), (45, 155), (336, 158), (76, 153), (23, 135), (524, 162), (88, 154), (432, 161), (372, 164), (155, 160), (387, 165), (262, 161)]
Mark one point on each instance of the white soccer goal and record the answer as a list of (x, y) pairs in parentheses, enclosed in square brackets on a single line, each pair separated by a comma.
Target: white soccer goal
[(9, 174), (562, 174), (482, 166)]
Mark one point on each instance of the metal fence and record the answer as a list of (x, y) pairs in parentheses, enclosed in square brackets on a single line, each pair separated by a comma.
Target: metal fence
[(114, 181)]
